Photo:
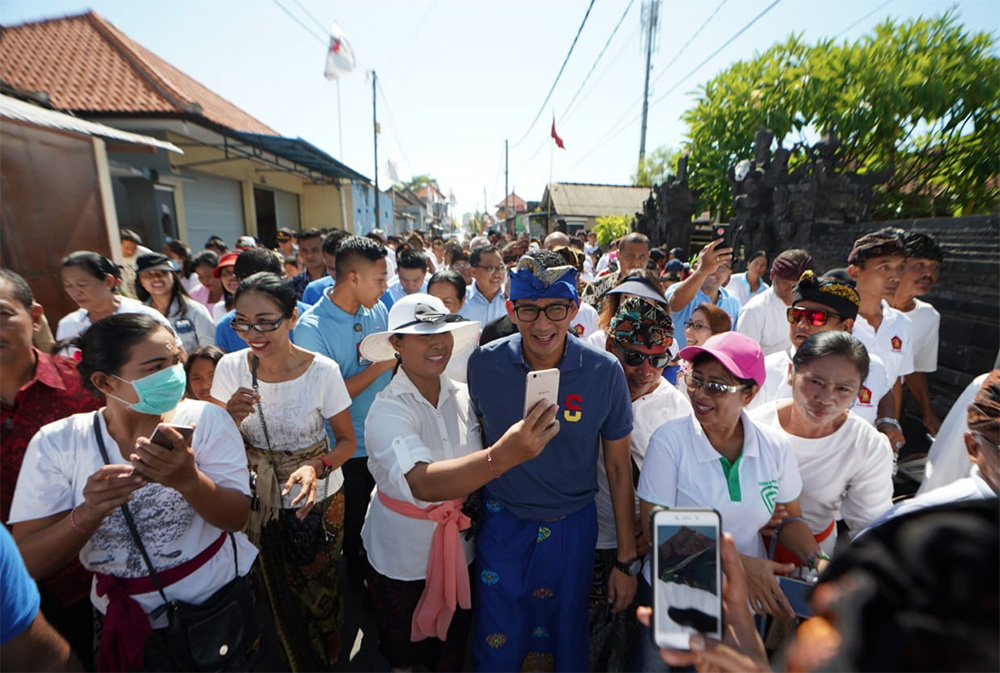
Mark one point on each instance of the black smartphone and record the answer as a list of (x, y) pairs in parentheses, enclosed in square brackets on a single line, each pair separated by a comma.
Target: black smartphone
[(722, 231), (187, 431)]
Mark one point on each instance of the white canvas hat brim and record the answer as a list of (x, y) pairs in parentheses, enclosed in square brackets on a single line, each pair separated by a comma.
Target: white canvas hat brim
[(376, 347)]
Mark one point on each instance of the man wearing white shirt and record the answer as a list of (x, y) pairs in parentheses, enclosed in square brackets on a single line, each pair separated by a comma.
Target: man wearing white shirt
[(875, 265), (411, 274), (762, 318), (486, 300), (923, 266)]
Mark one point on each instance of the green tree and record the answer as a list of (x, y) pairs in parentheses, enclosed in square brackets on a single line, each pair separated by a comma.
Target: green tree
[(418, 181), (919, 97), (610, 227), (656, 167)]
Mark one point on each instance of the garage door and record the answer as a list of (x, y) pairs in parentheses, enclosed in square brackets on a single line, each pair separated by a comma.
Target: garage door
[(213, 207)]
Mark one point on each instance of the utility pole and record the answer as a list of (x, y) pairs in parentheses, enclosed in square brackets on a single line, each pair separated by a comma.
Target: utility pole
[(651, 19), (506, 192), (375, 135)]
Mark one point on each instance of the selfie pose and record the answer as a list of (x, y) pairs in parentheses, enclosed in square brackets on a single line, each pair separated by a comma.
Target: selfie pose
[(281, 397), (185, 494)]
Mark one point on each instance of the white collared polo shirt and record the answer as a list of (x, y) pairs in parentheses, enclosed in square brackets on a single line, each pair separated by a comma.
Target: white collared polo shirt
[(682, 469), (893, 342)]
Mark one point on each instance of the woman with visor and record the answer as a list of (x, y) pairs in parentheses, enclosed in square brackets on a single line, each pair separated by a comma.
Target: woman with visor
[(426, 455)]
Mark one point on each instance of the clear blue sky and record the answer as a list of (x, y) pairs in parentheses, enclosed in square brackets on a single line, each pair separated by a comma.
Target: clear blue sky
[(461, 76)]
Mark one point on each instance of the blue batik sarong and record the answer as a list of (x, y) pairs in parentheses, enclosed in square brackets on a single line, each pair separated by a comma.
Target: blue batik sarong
[(532, 582)]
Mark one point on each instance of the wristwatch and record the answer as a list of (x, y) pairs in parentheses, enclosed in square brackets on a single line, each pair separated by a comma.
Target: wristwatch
[(630, 568), (327, 468)]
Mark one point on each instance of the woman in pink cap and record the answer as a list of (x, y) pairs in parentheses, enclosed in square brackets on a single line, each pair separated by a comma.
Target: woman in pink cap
[(720, 459)]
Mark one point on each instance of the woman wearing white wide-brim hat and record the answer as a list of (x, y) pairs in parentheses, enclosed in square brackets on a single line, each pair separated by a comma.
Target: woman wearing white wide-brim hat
[(426, 455)]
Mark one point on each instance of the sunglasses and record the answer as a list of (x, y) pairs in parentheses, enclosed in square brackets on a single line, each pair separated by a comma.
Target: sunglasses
[(635, 358), (264, 326), (816, 317), (712, 389)]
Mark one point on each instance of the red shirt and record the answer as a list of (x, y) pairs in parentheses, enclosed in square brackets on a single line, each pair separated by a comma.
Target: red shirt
[(54, 392)]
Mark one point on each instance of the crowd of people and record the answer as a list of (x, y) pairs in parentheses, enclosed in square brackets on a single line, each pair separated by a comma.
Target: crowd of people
[(217, 443)]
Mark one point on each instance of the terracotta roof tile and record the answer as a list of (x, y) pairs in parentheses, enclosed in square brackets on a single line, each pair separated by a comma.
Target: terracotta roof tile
[(86, 64)]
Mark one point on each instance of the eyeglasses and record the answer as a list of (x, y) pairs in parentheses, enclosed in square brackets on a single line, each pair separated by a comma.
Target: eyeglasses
[(712, 389), (554, 312), (635, 358), (461, 266), (696, 326), (492, 270), (816, 317), (263, 326)]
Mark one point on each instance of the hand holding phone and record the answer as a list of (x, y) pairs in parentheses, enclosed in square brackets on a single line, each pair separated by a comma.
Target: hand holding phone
[(541, 386), (686, 576), (160, 438)]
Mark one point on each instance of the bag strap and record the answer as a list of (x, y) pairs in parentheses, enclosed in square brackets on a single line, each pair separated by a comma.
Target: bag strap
[(260, 414), (129, 521)]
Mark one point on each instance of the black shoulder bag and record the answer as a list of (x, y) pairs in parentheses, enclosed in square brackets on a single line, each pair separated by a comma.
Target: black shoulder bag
[(213, 636), (299, 537)]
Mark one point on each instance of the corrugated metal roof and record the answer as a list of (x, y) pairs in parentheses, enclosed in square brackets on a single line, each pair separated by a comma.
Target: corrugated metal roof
[(302, 153), (12, 108), (590, 200)]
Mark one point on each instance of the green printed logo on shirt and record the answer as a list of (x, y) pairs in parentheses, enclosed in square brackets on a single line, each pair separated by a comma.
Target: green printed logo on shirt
[(769, 493)]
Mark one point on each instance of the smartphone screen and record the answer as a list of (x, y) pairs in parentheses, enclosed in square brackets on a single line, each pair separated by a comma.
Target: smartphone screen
[(687, 576)]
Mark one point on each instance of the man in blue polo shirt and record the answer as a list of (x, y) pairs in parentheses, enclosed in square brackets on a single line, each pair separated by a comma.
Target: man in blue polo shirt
[(704, 285), (335, 326), (534, 548)]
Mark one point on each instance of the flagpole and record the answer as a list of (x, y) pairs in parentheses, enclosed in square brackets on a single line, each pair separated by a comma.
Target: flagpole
[(552, 154), (340, 126)]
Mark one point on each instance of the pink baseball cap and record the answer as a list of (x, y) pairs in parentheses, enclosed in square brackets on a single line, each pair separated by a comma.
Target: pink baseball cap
[(739, 354)]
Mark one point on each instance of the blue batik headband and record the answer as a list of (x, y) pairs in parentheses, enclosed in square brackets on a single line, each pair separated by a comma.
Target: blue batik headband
[(530, 281)]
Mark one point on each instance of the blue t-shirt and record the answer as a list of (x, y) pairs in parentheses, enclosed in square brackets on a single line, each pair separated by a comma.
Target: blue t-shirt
[(315, 290), (228, 340), (19, 599), (594, 403), (327, 329), (727, 303)]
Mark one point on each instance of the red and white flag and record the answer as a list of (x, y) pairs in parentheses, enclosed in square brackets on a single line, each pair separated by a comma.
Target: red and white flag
[(340, 56), (555, 136)]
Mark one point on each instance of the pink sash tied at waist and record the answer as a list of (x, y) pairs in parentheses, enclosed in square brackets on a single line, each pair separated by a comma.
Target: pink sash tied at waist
[(447, 568)]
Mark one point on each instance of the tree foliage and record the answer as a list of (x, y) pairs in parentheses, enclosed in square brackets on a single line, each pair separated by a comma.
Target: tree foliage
[(919, 97), (610, 227), (418, 181), (656, 167)]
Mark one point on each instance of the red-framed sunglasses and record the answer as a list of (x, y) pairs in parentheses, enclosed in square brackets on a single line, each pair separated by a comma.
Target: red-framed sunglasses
[(816, 317)]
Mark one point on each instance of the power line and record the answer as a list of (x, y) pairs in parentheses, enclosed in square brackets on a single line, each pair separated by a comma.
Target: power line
[(690, 41), (393, 125), (599, 56), (877, 9), (724, 44), (323, 28), (324, 42), (545, 102)]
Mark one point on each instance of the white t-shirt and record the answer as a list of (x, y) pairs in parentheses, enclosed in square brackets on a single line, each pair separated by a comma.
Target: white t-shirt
[(64, 454), (219, 311), (191, 323), (739, 287), (948, 459), (763, 319), (76, 323), (585, 322), (849, 471), (403, 429), (776, 387), (295, 411), (926, 325), (893, 342), (682, 469), (649, 412)]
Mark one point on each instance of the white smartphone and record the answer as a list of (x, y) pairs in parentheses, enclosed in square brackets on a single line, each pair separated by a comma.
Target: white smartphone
[(541, 385), (686, 576), (187, 431)]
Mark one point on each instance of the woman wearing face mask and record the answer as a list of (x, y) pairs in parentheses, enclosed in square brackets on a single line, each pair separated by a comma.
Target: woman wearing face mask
[(91, 281), (281, 397), (845, 463), (719, 458), (186, 497), (425, 453)]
